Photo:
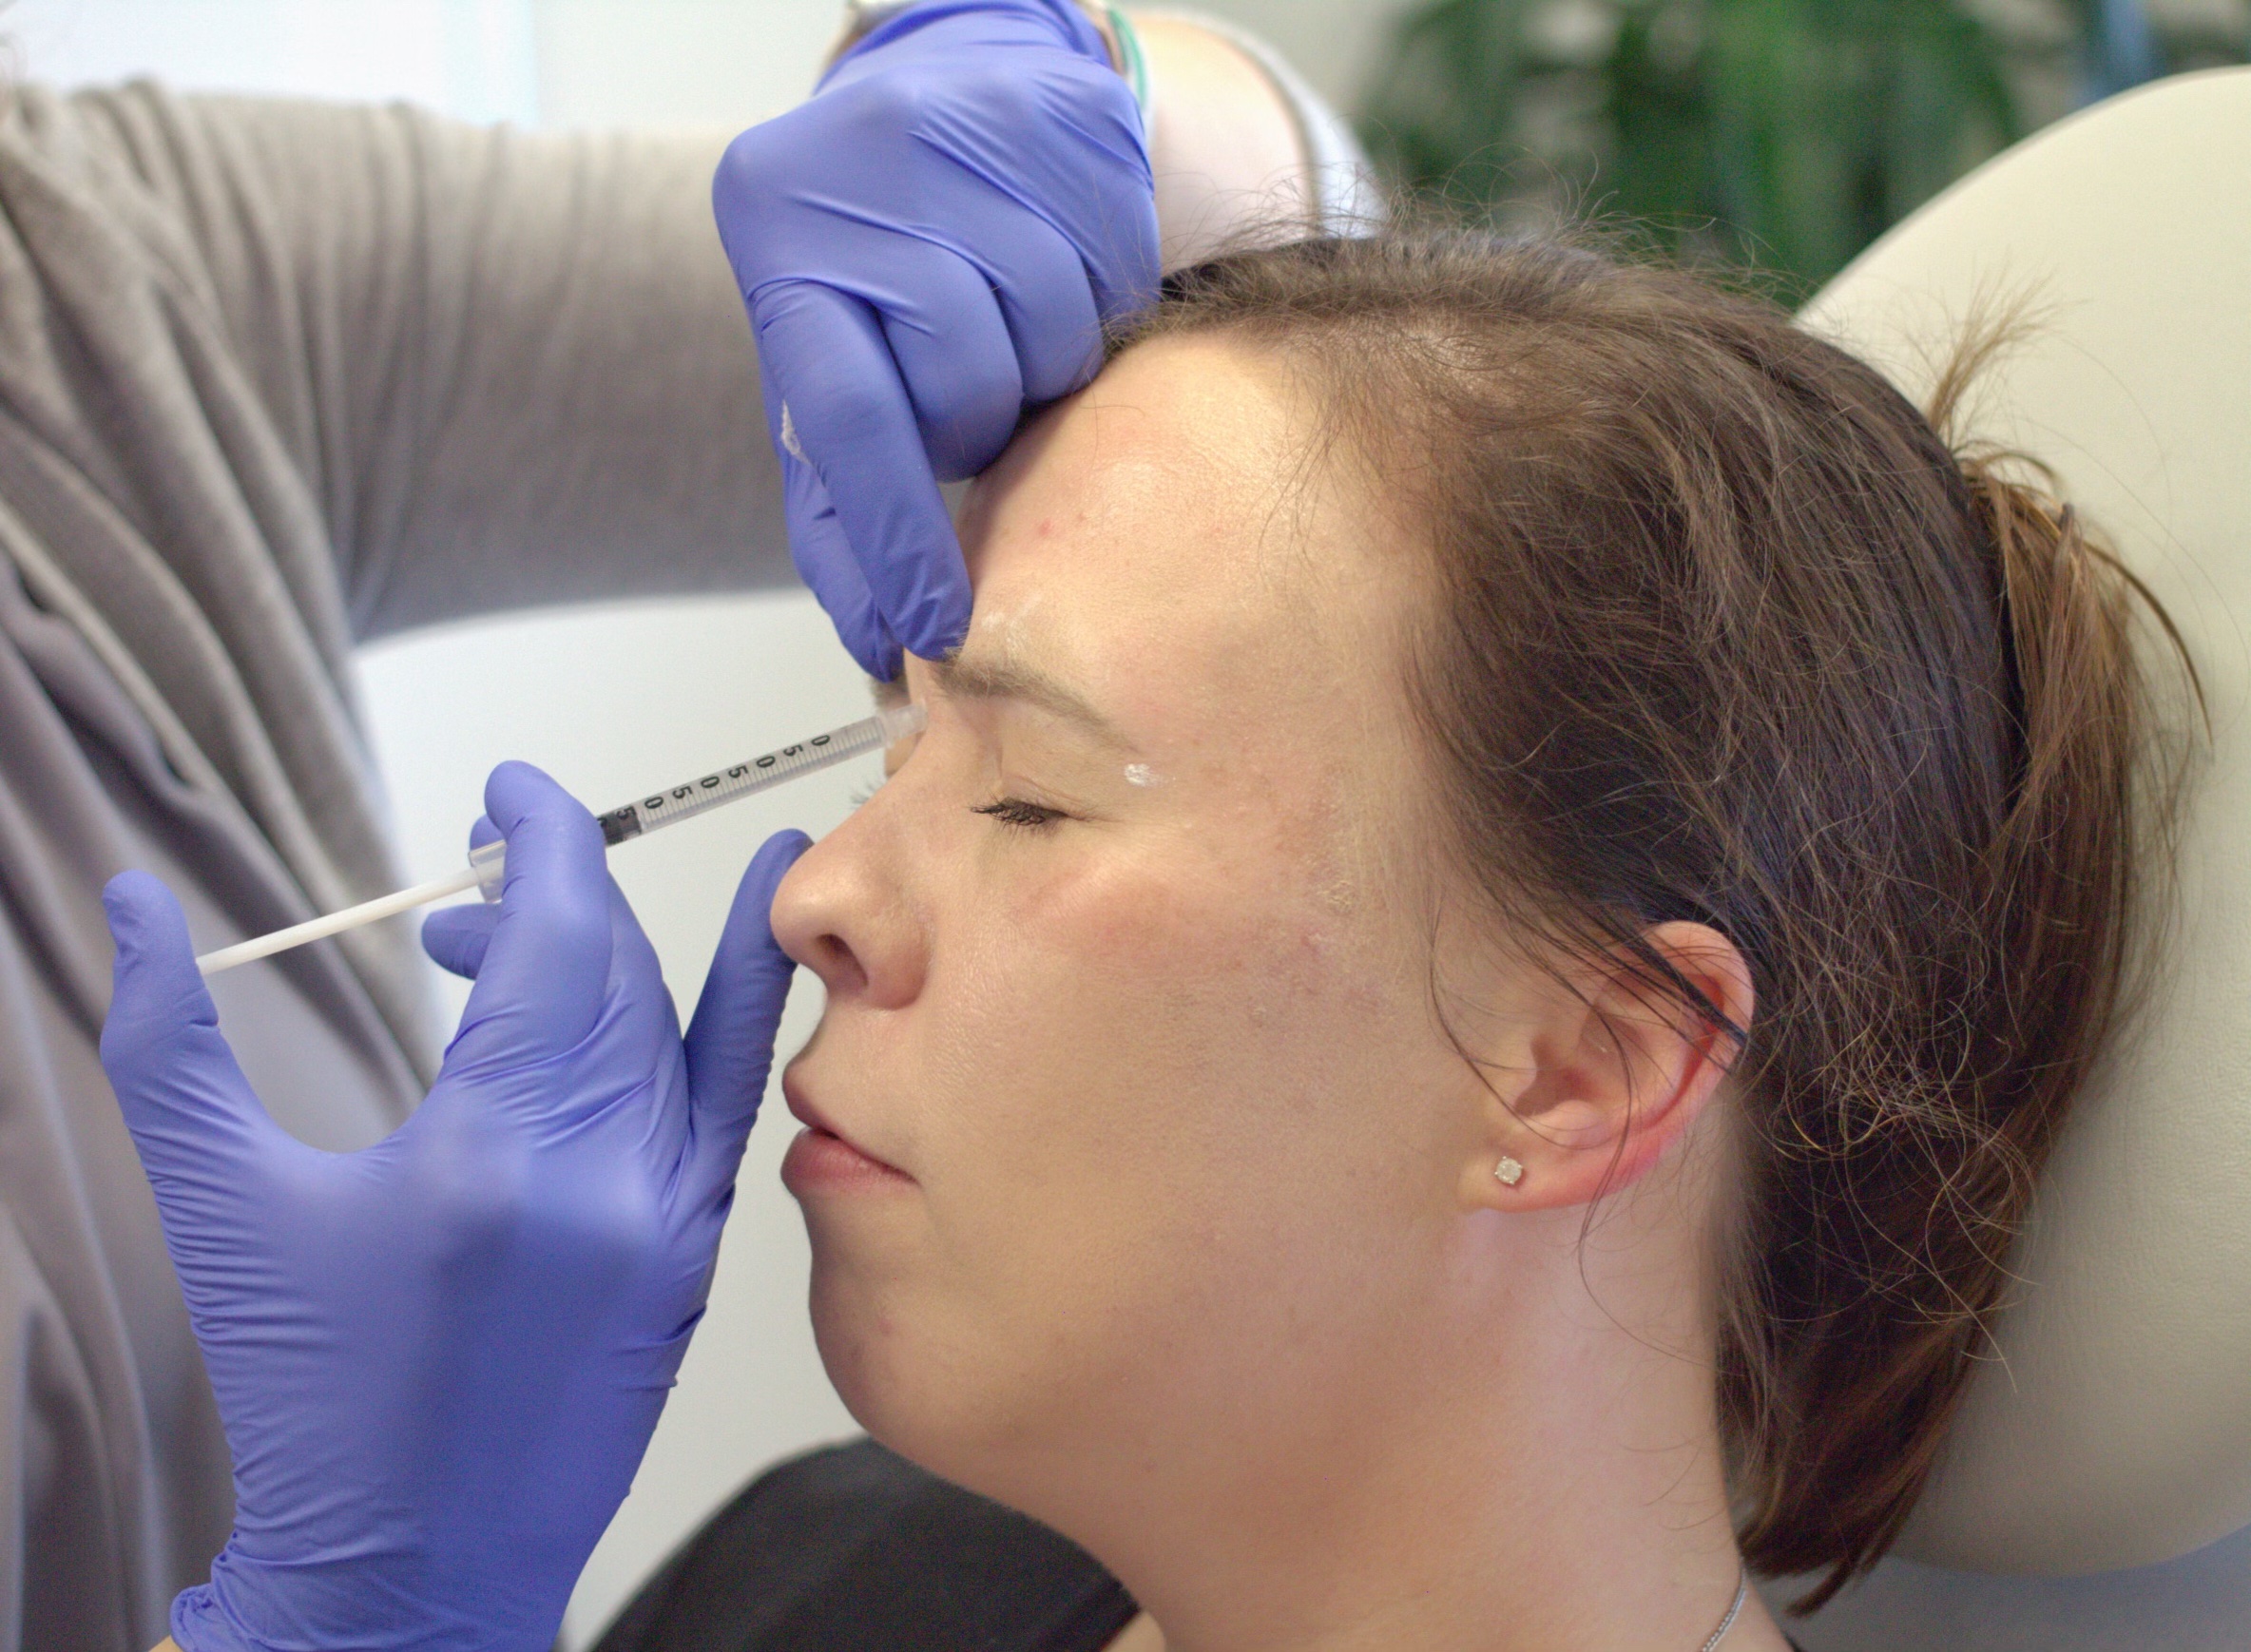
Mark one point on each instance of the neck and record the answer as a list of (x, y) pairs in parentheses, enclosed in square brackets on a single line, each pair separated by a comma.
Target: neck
[(1546, 1476)]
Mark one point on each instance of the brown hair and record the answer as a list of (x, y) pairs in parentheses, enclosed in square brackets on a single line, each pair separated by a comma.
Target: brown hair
[(1727, 632)]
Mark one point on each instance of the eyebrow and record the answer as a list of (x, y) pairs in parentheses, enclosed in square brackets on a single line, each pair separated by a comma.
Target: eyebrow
[(1005, 680)]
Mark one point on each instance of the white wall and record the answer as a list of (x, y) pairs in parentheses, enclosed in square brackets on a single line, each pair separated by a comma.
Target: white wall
[(643, 63), (743, 675)]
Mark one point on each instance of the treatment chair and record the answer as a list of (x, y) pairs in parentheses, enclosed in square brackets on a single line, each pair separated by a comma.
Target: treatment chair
[(2091, 1486)]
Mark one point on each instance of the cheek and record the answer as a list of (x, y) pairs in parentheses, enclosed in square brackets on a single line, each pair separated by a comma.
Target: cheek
[(1161, 969), (1154, 1059)]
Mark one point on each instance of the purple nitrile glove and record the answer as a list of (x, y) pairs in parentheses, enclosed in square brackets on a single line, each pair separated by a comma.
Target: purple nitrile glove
[(440, 1359), (928, 245)]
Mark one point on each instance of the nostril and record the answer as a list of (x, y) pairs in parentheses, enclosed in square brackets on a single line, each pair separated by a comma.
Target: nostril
[(837, 967)]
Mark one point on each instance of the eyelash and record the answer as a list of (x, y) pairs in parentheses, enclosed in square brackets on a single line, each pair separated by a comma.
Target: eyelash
[(1021, 813)]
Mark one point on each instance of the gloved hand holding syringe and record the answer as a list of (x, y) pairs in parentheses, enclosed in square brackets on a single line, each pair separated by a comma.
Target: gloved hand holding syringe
[(488, 863)]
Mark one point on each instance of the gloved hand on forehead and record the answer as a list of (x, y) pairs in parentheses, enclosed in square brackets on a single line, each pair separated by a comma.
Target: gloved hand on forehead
[(928, 245), (440, 1359)]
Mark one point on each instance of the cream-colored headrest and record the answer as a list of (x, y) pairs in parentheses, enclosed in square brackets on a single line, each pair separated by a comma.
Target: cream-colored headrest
[(2117, 1429)]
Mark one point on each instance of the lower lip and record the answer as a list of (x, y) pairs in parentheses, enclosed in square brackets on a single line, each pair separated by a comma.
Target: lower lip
[(816, 1158)]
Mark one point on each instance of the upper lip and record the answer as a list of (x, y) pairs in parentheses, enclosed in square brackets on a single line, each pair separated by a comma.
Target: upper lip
[(802, 1108)]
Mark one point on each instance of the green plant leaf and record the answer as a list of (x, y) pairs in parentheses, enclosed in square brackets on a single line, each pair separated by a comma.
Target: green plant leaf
[(1785, 134)]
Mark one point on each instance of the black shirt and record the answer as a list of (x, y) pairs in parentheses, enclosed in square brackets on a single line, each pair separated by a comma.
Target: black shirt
[(855, 1549)]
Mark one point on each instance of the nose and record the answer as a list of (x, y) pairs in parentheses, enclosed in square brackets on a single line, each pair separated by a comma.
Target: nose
[(843, 914)]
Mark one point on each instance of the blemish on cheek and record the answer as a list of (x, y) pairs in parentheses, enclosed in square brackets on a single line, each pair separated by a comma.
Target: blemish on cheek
[(1340, 893), (1141, 774)]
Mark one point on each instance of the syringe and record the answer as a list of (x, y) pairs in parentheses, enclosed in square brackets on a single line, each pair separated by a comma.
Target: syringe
[(489, 863)]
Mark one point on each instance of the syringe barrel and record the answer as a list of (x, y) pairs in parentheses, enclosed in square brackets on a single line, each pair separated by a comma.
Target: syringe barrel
[(709, 791), (680, 802)]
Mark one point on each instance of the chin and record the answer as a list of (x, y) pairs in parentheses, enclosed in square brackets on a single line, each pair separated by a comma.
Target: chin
[(918, 1395), (854, 1350), (889, 1379)]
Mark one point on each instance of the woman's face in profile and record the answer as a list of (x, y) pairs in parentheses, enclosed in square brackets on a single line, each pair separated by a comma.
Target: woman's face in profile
[(1130, 1012)]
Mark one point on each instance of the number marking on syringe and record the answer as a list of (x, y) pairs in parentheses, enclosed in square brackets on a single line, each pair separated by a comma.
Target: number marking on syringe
[(661, 808)]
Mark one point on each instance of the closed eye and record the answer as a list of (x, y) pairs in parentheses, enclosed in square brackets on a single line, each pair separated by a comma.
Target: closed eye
[(1021, 812)]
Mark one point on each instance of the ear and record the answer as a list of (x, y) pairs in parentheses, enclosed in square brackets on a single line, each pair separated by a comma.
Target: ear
[(1617, 1069)]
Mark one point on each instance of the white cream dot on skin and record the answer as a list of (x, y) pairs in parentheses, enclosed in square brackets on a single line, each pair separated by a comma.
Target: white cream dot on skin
[(1141, 774), (1008, 624)]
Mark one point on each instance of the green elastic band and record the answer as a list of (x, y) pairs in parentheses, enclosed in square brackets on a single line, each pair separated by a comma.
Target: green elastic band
[(1135, 66)]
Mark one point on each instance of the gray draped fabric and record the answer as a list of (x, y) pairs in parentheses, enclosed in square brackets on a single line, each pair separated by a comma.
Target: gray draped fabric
[(274, 378)]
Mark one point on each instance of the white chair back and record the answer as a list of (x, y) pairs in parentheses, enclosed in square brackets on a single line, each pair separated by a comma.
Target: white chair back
[(2116, 1428)]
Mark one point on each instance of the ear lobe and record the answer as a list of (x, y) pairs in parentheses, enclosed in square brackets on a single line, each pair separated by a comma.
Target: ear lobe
[(1622, 1070)]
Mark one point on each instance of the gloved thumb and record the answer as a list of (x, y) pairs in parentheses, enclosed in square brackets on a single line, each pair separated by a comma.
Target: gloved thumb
[(193, 1117), (543, 971), (730, 1042)]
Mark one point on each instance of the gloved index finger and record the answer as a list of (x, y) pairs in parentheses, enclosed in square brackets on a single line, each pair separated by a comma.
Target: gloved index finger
[(541, 983), (854, 424), (192, 1117), (730, 1040)]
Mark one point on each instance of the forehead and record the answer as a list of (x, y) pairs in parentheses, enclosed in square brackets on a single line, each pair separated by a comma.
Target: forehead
[(1184, 536)]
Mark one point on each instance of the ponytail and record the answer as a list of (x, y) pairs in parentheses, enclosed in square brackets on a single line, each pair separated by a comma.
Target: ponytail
[(2066, 895)]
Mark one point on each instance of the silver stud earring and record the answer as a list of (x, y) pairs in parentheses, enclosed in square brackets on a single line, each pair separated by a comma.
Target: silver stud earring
[(1509, 1171)]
